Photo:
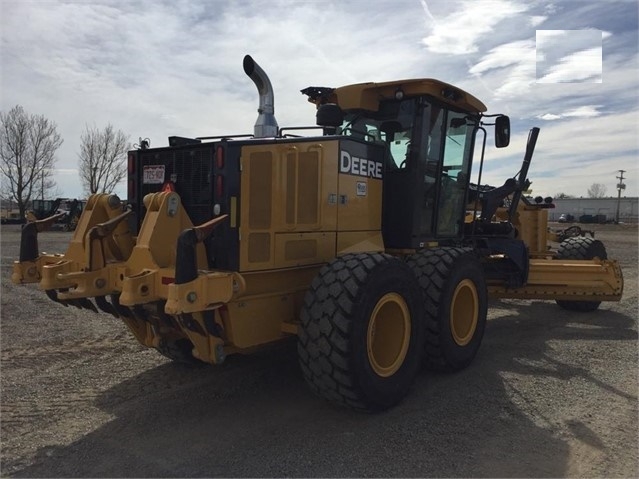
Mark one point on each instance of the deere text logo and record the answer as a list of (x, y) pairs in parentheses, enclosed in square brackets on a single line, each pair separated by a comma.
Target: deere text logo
[(353, 165)]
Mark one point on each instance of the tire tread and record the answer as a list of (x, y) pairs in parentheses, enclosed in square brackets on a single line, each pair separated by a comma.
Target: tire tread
[(582, 248), (432, 268), (325, 348)]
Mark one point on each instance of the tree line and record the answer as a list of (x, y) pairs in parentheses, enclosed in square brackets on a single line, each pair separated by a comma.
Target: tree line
[(28, 144), (596, 190)]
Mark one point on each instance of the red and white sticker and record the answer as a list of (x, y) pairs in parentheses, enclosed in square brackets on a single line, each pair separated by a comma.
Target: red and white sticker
[(153, 174)]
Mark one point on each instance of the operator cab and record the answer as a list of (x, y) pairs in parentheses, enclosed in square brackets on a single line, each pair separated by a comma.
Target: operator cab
[(427, 129), (428, 156)]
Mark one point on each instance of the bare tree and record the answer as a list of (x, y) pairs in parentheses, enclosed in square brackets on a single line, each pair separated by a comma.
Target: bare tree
[(45, 186), (102, 155), (27, 154), (597, 190)]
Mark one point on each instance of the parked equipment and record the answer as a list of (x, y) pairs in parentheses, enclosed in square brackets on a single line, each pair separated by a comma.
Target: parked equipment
[(368, 241), (66, 210), (41, 209)]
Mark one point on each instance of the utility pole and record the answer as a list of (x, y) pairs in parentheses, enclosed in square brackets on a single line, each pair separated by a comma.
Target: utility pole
[(620, 186)]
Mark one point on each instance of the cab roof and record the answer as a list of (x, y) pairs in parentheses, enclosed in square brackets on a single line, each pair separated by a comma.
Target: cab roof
[(367, 96)]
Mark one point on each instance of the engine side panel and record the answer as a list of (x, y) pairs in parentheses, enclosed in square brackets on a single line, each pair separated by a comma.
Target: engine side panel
[(304, 202)]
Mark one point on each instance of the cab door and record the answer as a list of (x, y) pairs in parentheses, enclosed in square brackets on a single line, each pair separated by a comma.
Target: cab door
[(454, 174)]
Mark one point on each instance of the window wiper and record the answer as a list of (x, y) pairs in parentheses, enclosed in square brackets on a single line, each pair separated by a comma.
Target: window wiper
[(451, 138)]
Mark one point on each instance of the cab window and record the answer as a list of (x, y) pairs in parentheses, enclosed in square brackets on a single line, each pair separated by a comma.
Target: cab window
[(392, 126), (454, 174)]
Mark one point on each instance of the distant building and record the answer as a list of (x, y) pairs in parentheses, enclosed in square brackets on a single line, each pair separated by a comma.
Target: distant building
[(602, 207)]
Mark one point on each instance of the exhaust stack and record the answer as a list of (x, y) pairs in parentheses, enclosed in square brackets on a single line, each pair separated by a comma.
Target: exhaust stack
[(265, 125)]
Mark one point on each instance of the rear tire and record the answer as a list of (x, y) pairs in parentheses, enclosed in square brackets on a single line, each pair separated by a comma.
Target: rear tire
[(361, 337), (455, 304), (581, 247)]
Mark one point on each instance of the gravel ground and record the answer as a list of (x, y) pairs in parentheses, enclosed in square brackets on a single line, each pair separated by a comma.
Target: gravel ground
[(551, 393)]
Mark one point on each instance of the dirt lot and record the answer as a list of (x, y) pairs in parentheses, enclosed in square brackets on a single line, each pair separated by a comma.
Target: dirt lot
[(551, 393)]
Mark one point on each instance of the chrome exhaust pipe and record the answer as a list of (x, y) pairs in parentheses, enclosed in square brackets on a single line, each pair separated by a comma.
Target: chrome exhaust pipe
[(265, 125)]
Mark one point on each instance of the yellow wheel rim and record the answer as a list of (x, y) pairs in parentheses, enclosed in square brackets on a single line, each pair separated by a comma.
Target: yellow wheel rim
[(388, 335), (464, 312)]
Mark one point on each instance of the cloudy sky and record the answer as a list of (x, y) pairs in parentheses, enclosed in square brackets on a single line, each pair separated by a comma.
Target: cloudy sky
[(161, 68)]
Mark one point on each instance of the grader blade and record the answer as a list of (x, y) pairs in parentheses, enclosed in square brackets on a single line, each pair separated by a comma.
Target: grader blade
[(578, 280)]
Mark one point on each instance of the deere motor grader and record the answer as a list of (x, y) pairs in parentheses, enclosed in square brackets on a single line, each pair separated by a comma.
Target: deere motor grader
[(370, 241)]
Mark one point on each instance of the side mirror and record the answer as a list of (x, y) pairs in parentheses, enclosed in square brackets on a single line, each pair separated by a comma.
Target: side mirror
[(502, 131)]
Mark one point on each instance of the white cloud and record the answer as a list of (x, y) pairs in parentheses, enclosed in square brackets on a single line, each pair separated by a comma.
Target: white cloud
[(536, 20), (543, 37), (550, 9), (569, 55), (503, 55), (458, 32), (579, 66), (586, 111), (519, 80), (508, 70), (427, 10), (549, 116)]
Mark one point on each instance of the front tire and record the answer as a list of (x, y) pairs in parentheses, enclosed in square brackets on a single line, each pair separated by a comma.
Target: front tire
[(361, 336), (455, 304), (581, 247)]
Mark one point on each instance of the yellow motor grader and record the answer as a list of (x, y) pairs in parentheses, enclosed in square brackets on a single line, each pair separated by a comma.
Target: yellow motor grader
[(370, 241)]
